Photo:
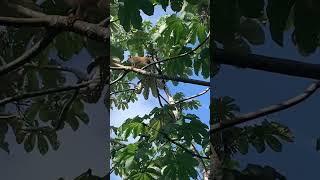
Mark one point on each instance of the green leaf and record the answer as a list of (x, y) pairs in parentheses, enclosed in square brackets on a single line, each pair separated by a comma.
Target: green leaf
[(96, 48), (42, 144), (83, 117), (46, 113), (30, 142), (252, 8), (142, 176), (176, 5), (129, 162), (68, 44), (274, 143), (32, 80), (4, 146), (259, 144), (318, 145), (33, 110), (53, 140), (252, 31), (243, 145), (124, 16), (193, 2), (73, 122), (164, 4), (147, 7), (278, 12), (136, 20), (201, 32), (155, 126)]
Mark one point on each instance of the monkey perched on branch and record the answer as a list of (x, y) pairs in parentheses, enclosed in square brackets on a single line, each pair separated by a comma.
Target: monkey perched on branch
[(140, 60)]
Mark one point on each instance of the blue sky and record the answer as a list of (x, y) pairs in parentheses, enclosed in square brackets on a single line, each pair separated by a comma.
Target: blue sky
[(142, 106)]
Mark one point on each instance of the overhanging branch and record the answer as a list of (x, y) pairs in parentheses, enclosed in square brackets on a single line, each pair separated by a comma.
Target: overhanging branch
[(269, 64), (43, 92), (267, 110), (29, 54), (93, 31)]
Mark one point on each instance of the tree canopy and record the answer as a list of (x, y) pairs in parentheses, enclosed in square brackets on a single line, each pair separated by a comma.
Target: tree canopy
[(238, 26), (170, 142), (43, 92)]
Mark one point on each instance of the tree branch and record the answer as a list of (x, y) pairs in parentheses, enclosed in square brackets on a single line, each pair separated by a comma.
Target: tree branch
[(93, 31), (29, 54), (119, 78), (194, 96), (79, 74), (267, 110), (206, 170), (146, 73), (43, 92), (65, 110), (269, 64)]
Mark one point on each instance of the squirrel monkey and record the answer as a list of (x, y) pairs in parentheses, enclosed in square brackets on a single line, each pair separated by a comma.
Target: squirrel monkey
[(139, 60)]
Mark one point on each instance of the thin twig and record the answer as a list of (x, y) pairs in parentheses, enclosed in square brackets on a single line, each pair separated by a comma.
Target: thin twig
[(119, 78), (65, 110), (192, 97), (79, 74), (43, 92)]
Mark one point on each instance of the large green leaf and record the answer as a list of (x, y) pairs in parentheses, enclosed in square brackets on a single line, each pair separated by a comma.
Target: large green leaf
[(30, 141), (278, 12), (252, 31), (42, 144)]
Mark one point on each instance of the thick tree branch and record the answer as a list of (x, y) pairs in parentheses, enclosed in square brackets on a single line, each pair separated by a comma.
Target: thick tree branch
[(267, 110), (93, 31), (146, 73), (29, 54), (43, 92), (269, 64)]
